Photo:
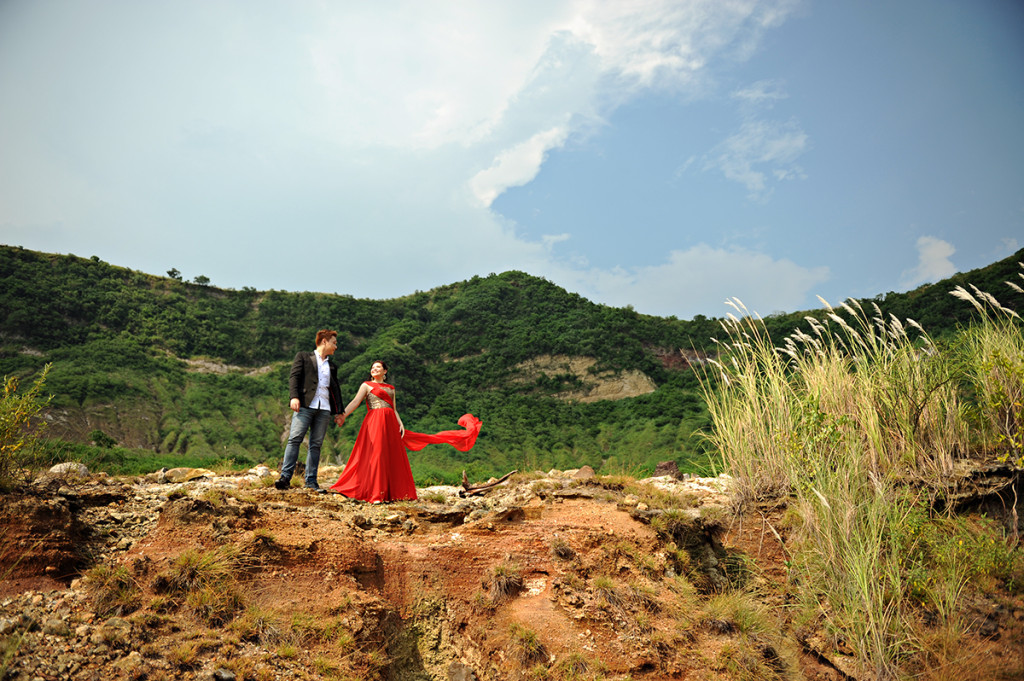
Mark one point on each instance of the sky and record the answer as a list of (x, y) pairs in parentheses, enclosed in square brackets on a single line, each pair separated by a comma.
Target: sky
[(665, 155)]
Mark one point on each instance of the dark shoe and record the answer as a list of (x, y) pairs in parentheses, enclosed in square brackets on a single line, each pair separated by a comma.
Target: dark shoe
[(283, 483), (316, 489)]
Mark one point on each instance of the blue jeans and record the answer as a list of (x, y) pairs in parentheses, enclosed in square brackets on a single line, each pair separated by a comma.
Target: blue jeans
[(316, 422)]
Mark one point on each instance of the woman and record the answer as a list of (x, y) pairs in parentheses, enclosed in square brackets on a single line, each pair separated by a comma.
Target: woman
[(378, 467)]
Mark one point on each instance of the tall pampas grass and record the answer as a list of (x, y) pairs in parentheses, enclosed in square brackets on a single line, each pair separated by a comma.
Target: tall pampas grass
[(843, 418)]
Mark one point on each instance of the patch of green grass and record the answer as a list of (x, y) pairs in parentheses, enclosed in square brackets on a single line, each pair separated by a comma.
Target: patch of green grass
[(740, 609)]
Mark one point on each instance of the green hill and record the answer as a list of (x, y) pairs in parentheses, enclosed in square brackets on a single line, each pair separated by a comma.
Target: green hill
[(181, 373)]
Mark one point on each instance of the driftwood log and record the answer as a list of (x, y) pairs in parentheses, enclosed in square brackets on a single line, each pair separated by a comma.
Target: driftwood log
[(469, 490)]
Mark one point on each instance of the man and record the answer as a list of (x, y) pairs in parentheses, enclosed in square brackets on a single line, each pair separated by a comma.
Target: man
[(315, 399)]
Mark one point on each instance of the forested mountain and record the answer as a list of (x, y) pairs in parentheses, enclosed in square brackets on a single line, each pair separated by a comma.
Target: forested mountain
[(198, 374)]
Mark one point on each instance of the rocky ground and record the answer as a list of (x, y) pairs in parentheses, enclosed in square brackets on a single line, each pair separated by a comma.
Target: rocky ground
[(561, 575)]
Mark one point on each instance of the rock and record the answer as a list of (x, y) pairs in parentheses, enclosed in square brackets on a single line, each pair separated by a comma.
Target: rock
[(460, 672), (667, 468), (70, 468), (585, 473), (261, 472), (116, 631), (131, 662), (573, 493), (187, 474), (224, 675), (56, 627), (7, 626)]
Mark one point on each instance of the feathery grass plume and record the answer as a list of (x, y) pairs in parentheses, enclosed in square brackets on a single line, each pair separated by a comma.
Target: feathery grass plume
[(753, 390), (832, 417), (992, 351)]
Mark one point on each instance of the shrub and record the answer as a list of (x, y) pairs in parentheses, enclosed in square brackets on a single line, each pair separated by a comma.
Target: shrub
[(101, 439), (18, 433)]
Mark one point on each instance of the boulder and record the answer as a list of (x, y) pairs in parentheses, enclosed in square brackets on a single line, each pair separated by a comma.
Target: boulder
[(585, 473), (70, 468)]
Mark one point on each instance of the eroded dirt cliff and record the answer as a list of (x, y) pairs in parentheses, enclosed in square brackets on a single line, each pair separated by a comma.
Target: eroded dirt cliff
[(553, 576)]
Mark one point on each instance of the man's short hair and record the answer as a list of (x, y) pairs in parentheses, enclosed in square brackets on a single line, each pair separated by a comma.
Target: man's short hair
[(324, 334)]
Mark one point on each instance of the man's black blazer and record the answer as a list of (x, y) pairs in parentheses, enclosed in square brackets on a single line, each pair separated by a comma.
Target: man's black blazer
[(303, 380)]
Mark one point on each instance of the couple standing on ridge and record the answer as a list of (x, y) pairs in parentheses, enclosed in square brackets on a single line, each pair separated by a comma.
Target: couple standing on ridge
[(378, 467)]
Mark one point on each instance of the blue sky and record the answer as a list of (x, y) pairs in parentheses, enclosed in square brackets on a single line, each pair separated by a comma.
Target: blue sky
[(664, 155)]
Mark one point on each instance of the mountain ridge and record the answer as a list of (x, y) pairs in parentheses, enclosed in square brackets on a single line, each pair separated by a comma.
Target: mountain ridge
[(123, 345)]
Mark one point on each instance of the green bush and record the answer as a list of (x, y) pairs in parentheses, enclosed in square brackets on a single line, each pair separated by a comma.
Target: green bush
[(18, 432)]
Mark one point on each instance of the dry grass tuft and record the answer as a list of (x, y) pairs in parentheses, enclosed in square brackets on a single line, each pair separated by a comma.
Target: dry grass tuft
[(113, 590), (526, 646), (560, 549), (505, 582)]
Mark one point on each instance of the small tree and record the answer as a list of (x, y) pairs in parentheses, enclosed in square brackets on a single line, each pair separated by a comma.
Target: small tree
[(202, 280), (18, 434), (173, 273)]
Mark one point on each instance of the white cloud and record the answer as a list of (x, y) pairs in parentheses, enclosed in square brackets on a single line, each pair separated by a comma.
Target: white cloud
[(517, 166), (762, 93), (933, 262), (207, 136), (760, 148), (701, 279), (550, 240)]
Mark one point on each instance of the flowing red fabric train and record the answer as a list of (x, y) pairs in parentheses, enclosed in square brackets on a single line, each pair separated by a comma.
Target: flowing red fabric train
[(462, 440)]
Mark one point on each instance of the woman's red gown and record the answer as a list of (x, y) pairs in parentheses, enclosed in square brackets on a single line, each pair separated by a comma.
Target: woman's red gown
[(378, 467)]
